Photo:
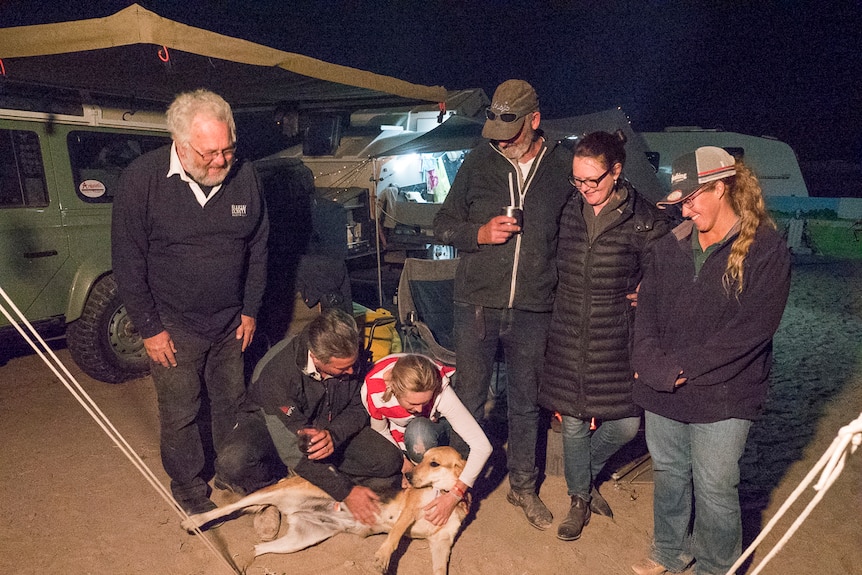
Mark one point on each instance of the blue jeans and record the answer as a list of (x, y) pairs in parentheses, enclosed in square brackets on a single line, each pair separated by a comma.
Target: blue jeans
[(523, 335), (585, 454), (421, 434), (696, 464), (214, 366)]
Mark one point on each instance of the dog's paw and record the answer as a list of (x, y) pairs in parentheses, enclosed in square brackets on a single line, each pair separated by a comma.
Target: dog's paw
[(189, 525), (381, 560)]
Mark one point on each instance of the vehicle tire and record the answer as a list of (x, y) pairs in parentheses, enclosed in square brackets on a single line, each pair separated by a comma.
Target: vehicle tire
[(103, 341)]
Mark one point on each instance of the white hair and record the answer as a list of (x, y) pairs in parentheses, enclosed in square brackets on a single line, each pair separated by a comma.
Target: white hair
[(187, 105)]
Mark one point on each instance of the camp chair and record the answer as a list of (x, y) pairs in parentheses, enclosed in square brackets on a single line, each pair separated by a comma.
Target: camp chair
[(426, 308)]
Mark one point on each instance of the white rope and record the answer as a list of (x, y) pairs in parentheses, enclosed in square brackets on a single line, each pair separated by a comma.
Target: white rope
[(71, 384), (832, 463)]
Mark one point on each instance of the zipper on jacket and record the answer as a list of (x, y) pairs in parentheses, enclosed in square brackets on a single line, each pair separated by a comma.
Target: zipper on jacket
[(523, 186)]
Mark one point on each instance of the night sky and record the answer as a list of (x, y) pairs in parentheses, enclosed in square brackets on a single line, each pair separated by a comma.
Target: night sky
[(792, 70)]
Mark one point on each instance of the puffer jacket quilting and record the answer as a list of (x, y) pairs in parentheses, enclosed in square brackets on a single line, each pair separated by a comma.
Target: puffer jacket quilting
[(587, 370)]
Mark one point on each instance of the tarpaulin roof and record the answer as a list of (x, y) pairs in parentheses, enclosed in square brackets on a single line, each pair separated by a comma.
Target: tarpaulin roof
[(456, 133), (137, 54)]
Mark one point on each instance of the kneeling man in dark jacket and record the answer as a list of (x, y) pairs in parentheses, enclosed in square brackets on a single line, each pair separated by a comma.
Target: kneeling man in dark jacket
[(304, 415)]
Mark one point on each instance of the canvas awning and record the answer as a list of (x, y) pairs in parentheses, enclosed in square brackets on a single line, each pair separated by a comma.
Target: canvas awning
[(137, 54)]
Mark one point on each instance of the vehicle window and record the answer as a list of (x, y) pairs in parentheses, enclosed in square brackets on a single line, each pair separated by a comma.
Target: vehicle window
[(22, 175), (98, 158)]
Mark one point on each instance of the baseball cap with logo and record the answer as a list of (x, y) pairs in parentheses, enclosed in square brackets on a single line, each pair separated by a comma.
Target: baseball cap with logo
[(512, 101), (691, 171)]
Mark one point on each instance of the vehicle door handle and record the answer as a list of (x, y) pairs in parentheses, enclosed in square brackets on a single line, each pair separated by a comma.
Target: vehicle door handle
[(45, 254)]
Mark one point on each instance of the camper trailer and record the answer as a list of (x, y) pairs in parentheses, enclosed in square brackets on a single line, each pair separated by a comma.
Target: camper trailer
[(773, 161)]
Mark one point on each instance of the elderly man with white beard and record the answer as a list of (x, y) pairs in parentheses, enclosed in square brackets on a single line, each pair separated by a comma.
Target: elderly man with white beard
[(189, 255)]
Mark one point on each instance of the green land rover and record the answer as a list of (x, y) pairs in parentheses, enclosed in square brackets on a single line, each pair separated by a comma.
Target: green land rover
[(58, 174)]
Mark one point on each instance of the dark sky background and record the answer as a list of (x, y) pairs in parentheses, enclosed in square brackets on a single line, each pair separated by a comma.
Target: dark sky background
[(792, 70)]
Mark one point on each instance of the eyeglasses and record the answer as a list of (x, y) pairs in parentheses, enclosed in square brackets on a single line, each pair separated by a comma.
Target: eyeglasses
[(690, 200), (507, 117), (589, 182), (227, 154)]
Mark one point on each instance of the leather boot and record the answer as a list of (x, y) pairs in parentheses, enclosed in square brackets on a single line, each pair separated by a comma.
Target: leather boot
[(574, 523), (598, 505), (537, 514)]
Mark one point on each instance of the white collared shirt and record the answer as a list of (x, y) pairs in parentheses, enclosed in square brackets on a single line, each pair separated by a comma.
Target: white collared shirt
[(176, 168), (311, 369)]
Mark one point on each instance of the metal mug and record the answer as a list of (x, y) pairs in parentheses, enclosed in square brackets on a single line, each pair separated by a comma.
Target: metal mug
[(514, 212)]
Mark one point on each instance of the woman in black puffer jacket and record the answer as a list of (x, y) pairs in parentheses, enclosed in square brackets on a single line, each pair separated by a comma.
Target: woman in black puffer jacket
[(606, 233)]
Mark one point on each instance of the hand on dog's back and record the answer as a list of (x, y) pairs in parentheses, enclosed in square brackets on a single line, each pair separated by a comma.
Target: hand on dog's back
[(363, 504)]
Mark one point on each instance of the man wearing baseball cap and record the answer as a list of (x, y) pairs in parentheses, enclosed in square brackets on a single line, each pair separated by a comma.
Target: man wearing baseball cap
[(504, 285)]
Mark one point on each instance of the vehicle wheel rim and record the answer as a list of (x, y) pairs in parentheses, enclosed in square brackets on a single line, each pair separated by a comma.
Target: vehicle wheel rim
[(125, 339)]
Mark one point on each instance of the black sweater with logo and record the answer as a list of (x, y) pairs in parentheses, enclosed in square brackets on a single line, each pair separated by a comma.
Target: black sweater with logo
[(174, 259)]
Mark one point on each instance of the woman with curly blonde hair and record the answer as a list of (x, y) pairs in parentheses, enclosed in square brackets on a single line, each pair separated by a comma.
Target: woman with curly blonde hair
[(709, 304)]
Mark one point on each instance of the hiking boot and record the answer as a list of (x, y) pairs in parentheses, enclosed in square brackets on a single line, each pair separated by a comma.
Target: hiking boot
[(267, 522), (574, 523), (648, 567), (598, 505), (537, 514)]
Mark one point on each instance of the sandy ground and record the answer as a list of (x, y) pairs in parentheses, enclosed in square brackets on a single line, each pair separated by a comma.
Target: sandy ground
[(73, 504)]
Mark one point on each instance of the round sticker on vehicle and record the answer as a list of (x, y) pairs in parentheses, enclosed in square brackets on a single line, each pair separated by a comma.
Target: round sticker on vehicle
[(92, 188)]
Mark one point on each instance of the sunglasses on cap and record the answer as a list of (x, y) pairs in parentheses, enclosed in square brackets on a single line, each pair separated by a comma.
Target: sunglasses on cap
[(507, 117)]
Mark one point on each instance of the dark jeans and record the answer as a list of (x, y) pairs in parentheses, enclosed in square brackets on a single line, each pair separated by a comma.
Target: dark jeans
[(422, 434), (202, 364), (250, 460), (523, 334)]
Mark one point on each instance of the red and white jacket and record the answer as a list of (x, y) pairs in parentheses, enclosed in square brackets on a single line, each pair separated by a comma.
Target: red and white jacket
[(390, 419)]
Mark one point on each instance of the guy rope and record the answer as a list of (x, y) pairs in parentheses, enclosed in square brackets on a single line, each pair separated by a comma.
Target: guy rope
[(67, 379)]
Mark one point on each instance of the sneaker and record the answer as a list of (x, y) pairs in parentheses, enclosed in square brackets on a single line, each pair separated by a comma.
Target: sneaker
[(267, 522), (574, 523), (648, 567), (537, 514), (598, 505)]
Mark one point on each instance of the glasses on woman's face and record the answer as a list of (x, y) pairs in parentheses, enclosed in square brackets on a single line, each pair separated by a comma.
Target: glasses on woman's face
[(689, 201), (588, 182), (507, 117), (208, 157)]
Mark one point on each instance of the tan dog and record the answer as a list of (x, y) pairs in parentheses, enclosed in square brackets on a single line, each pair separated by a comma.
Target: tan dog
[(313, 516)]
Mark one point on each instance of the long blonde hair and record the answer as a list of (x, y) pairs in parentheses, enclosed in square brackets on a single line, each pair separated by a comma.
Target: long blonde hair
[(746, 199), (412, 372)]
